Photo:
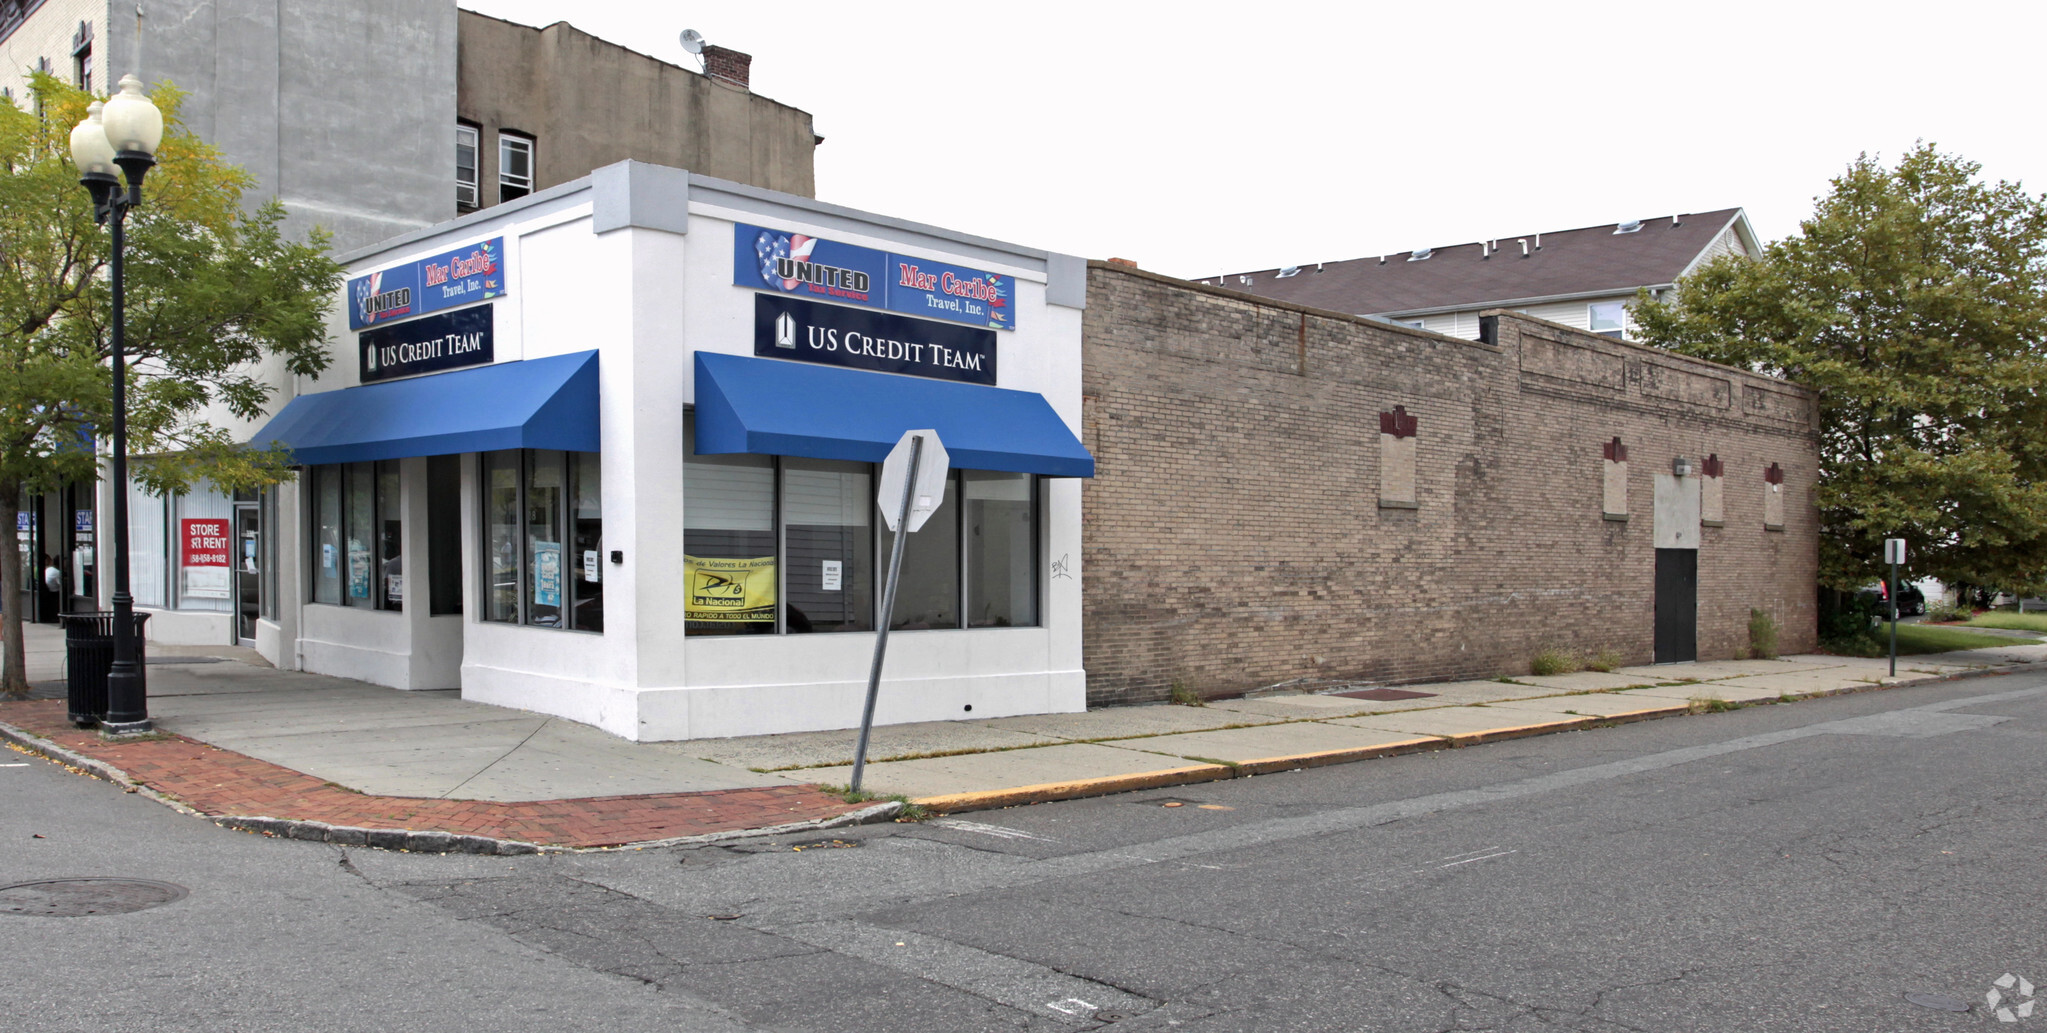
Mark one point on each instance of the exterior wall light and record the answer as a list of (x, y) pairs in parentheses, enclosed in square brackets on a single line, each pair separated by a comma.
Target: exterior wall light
[(1681, 466)]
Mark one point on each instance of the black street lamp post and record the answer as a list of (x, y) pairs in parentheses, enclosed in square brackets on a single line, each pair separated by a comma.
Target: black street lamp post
[(122, 133)]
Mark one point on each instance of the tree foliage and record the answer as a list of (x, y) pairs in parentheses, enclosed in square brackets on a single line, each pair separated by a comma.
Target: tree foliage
[(1912, 300), (219, 303)]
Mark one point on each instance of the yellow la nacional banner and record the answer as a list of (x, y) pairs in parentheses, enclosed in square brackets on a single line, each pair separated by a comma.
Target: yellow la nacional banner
[(730, 590)]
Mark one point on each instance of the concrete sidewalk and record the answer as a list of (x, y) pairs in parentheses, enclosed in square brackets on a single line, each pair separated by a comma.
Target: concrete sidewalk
[(306, 755)]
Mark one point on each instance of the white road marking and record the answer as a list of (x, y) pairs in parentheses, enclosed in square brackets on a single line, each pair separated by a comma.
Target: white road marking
[(996, 977), (961, 825), (13, 765)]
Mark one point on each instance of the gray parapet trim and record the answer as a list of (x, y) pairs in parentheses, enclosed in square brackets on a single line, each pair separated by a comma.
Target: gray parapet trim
[(1065, 281), (639, 195)]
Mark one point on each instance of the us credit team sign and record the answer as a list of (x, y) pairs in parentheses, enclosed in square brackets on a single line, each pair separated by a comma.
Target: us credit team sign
[(825, 270)]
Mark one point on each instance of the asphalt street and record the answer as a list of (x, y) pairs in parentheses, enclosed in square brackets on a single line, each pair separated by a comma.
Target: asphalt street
[(1793, 867)]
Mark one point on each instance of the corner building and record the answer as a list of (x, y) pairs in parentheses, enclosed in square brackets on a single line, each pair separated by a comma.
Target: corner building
[(1291, 495), (610, 452)]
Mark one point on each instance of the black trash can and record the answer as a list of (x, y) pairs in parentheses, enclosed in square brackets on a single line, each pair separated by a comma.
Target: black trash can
[(88, 657)]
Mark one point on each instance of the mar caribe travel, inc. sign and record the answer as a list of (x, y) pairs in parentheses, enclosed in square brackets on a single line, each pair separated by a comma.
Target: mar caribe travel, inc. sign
[(825, 270), (463, 276)]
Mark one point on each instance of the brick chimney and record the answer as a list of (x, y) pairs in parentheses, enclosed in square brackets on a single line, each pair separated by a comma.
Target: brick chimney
[(728, 65)]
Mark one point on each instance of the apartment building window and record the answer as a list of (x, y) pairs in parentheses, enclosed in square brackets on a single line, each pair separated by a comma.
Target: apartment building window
[(81, 57), (1606, 318), (515, 166), (465, 166)]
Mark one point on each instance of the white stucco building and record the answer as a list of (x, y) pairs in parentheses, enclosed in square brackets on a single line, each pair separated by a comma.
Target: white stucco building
[(607, 452)]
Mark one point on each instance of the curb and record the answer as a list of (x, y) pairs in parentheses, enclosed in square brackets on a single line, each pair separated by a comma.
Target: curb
[(994, 799), (417, 841), (430, 842), (990, 799)]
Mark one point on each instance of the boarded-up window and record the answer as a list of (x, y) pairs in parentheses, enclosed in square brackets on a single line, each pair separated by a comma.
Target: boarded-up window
[(1614, 497), (1773, 498), (1396, 460), (1712, 497)]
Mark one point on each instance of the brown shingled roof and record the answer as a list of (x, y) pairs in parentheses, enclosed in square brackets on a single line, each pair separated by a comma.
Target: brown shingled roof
[(1580, 261)]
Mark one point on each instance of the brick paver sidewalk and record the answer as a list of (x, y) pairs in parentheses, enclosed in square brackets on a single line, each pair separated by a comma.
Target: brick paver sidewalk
[(221, 783)]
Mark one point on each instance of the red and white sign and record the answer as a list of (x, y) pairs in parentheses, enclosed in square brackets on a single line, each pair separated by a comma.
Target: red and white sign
[(206, 543)]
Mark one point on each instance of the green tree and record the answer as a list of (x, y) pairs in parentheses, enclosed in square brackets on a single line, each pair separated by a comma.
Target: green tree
[(215, 294), (1912, 300)]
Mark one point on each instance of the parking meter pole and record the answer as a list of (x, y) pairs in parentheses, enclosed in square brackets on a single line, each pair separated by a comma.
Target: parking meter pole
[(1894, 620), (888, 614)]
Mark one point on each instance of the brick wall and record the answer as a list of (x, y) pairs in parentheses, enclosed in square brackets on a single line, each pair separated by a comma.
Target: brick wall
[(1235, 536)]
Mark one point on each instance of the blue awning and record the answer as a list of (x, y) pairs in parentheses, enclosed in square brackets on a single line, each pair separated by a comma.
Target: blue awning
[(537, 403), (771, 407)]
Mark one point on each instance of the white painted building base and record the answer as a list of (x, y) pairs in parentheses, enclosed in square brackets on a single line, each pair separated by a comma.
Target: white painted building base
[(189, 627)]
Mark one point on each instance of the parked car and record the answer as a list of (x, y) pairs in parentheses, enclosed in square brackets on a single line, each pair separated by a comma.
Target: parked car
[(1911, 601)]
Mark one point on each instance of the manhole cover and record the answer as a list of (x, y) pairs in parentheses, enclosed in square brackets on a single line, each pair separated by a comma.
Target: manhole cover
[(1383, 695), (77, 898), (1938, 1002)]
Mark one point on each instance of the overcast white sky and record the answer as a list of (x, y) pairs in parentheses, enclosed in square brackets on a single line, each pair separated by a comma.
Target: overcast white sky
[(1201, 138)]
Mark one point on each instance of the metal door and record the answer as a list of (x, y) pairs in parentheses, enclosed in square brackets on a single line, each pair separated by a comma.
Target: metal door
[(1677, 606)]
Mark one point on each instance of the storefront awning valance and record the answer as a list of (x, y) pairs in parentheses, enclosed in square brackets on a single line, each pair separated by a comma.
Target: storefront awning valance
[(769, 407), (536, 403)]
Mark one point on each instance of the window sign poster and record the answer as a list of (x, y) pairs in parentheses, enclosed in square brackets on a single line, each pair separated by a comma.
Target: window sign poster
[(591, 571), (327, 559), (358, 569), (729, 589), (833, 575), (825, 270), (81, 520), (451, 278), (203, 554), (547, 573)]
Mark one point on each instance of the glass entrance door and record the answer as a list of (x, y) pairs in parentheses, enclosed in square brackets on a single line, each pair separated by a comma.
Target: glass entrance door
[(248, 571)]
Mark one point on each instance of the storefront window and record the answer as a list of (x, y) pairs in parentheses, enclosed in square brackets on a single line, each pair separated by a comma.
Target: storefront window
[(821, 566), (728, 541), (586, 552), (531, 499), (147, 561), (501, 536), (829, 579), (1001, 548), (358, 536), (202, 543), (928, 596), (326, 552), (544, 565), (267, 503)]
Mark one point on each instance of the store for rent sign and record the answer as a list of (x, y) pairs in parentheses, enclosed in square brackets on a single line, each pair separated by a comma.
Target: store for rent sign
[(825, 270), (204, 551), (460, 277)]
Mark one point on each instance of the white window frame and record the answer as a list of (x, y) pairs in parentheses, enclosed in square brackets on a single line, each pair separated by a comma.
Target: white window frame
[(507, 143), (1620, 324), (467, 193)]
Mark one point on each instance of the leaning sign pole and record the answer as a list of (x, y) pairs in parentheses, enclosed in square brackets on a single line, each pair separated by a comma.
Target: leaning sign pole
[(912, 488)]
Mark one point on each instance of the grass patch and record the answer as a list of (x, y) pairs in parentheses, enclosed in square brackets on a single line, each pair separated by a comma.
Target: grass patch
[(1554, 660), (1709, 705), (1918, 638), (1762, 635), (2010, 621), (1606, 661), (910, 811), (1183, 696)]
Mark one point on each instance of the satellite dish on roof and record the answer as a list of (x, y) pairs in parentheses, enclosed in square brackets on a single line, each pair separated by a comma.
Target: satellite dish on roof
[(693, 41)]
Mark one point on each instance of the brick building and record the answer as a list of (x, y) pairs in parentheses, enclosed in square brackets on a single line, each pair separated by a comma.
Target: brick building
[(1289, 493)]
